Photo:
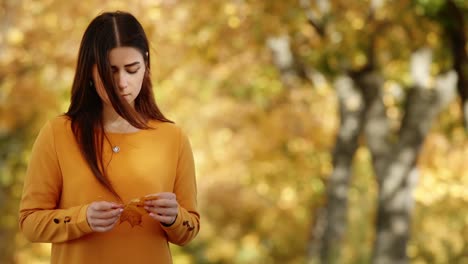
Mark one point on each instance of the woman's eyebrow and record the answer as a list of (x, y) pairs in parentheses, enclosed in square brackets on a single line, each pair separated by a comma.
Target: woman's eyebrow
[(128, 65), (132, 64)]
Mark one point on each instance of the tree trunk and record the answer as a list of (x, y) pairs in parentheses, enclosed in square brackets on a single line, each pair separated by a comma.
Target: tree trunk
[(331, 219), (395, 200), (376, 124), (399, 174)]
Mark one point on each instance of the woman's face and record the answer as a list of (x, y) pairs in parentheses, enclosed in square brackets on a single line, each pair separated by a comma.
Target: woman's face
[(128, 68)]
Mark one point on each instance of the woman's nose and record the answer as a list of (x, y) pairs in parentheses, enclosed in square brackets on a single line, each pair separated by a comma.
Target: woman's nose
[(122, 81)]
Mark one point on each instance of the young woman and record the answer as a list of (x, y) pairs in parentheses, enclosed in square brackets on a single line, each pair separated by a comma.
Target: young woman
[(112, 180)]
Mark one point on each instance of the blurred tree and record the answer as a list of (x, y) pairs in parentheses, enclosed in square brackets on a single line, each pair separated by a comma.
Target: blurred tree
[(362, 109)]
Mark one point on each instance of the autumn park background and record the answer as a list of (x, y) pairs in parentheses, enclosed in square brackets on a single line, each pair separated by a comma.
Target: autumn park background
[(324, 131)]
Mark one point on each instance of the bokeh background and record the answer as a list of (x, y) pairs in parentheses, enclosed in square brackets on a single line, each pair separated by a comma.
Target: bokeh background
[(290, 106)]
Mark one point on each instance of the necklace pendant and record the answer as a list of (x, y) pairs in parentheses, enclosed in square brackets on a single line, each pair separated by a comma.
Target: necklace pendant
[(116, 149)]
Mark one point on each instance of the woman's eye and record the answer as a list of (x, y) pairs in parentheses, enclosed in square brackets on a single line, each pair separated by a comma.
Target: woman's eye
[(133, 71)]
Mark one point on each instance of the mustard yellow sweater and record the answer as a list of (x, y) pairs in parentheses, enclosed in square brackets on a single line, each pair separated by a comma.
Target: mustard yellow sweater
[(59, 186)]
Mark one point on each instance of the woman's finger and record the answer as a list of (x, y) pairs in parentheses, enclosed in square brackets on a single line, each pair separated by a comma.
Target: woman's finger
[(104, 222), (104, 206), (110, 227), (160, 198), (102, 229), (162, 203), (162, 218), (106, 214), (163, 211)]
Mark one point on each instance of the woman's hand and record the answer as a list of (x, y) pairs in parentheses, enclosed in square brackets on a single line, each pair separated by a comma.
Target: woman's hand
[(164, 208), (102, 216)]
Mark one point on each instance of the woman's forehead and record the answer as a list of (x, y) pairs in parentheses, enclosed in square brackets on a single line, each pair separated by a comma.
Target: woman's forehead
[(124, 56)]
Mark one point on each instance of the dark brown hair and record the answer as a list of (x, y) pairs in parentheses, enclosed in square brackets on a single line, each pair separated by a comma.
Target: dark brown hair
[(105, 32)]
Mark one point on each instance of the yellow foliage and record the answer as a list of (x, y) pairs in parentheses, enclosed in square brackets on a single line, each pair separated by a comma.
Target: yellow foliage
[(263, 153)]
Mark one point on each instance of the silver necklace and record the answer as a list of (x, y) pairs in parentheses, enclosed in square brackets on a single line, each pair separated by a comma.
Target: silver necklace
[(116, 149)]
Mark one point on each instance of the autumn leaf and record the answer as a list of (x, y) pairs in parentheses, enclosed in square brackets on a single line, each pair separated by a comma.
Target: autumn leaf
[(133, 211), (132, 215)]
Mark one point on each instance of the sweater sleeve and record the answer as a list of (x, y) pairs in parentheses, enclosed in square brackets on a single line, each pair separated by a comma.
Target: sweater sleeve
[(39, 218), (187, 224)]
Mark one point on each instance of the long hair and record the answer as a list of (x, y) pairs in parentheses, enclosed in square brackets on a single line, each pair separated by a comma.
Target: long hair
[(105, 32)]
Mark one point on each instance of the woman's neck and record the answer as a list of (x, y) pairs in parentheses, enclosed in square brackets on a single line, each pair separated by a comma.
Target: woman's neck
[(113, 122)]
